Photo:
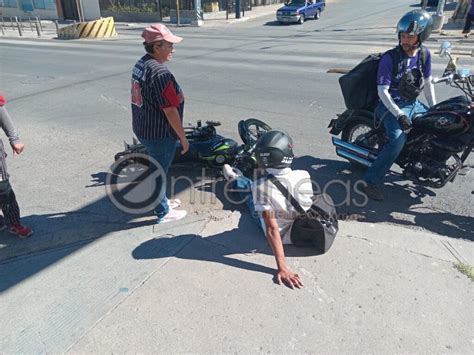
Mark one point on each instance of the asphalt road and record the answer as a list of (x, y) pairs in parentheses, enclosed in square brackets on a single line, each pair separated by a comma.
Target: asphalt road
[(79, 90), (70, 103)]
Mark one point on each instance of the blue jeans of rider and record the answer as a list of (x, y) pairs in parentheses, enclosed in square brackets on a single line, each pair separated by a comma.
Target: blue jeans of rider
[(396, 139), (242, 186), (163, 151)]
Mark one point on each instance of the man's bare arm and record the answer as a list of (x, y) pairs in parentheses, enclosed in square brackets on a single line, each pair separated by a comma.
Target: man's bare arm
[(284, 274)]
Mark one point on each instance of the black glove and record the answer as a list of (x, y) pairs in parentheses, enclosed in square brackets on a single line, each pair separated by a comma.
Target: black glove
[(405, 123)]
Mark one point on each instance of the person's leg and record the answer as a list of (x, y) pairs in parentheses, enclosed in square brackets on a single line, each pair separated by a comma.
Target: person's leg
[(11, 211), (163, 151), (467, 25), (390, 151), (241, 186), (3, 226)]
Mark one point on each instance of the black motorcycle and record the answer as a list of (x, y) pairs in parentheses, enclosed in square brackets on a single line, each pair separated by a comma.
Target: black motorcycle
[(438, 144)]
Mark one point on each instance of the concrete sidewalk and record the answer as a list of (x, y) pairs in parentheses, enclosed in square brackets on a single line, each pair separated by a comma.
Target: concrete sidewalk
[(49, 28), (256, 12), (372, 292), (452, 27), (204, 285)]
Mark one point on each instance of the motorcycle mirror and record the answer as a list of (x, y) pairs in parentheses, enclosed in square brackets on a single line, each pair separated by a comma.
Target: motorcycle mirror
[(463, 72), (445, 49)]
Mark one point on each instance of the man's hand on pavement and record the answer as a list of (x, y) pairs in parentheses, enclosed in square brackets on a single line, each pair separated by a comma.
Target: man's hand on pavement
[(289, 278), (18, 148)]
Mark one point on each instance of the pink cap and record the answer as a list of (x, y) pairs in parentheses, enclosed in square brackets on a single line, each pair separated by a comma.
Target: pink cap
[(159, 32)]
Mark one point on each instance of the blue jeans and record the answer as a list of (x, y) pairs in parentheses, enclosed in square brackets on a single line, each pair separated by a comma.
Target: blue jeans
[(163, 151), (243, 187), (396, 139)]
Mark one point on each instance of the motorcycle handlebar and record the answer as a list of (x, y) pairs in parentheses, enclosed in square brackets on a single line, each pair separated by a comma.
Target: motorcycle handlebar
[(447, 79)]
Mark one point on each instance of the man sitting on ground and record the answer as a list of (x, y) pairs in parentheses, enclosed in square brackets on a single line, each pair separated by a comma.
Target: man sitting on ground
[(274, 153)]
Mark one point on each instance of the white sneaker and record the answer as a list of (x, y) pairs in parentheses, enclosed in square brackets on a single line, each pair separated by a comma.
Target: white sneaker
[(172, 204), (173, 215), (230, 173)]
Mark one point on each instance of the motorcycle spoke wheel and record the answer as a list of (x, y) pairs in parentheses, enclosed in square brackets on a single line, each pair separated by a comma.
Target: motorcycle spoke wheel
[(254, 129), (358, 135)]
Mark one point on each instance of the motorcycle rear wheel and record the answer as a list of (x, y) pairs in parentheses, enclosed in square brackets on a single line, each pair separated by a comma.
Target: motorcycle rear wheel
[(355, 132)]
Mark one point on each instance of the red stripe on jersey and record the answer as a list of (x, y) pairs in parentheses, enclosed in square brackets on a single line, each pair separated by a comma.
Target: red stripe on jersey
[(170, 94)]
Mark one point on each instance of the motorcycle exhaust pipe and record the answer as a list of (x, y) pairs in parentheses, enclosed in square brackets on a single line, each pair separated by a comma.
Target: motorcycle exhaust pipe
[(359, 151), (352, 157), (352, 152)]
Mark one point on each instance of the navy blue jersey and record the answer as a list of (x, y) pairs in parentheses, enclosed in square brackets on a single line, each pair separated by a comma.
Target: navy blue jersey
[(154, 88)]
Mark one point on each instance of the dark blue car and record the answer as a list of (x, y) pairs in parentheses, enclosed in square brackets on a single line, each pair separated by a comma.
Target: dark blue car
[(300, 10)]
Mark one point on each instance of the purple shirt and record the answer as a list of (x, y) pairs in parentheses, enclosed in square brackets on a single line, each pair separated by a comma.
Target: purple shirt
[(384, 74)]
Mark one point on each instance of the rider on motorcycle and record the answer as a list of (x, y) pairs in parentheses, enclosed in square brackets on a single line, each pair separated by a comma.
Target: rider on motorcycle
[(398, 93)]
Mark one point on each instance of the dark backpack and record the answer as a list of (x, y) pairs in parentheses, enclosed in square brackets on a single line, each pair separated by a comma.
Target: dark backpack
[(359, 86), (316, 227)]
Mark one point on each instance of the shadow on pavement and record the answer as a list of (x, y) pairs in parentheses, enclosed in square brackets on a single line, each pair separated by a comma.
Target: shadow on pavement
[(276, 23), (447, 6), (247, 240), (401, 197), (354, 29), (160, 248), (58, 235)]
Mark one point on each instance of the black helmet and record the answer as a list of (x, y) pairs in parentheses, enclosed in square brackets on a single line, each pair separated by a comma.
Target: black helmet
[(274, 150), (416, 22)]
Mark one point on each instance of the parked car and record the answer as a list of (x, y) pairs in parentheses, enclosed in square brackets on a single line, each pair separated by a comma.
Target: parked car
[(300, 10)]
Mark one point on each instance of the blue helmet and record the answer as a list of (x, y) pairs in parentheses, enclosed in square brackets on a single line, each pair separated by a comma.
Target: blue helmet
[(416, 22)]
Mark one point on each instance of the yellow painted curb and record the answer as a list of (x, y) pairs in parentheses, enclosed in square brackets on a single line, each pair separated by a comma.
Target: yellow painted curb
[(102, 28)]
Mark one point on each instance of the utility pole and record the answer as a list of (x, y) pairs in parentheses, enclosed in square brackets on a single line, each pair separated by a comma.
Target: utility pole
[(197, 8), (177, 13), (440, 8), (80, 13), (438, 18), (237, 8), (158, 8)]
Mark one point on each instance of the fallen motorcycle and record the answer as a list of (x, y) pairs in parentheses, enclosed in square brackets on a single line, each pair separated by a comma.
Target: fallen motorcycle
[(210, 149), (438, 144)]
